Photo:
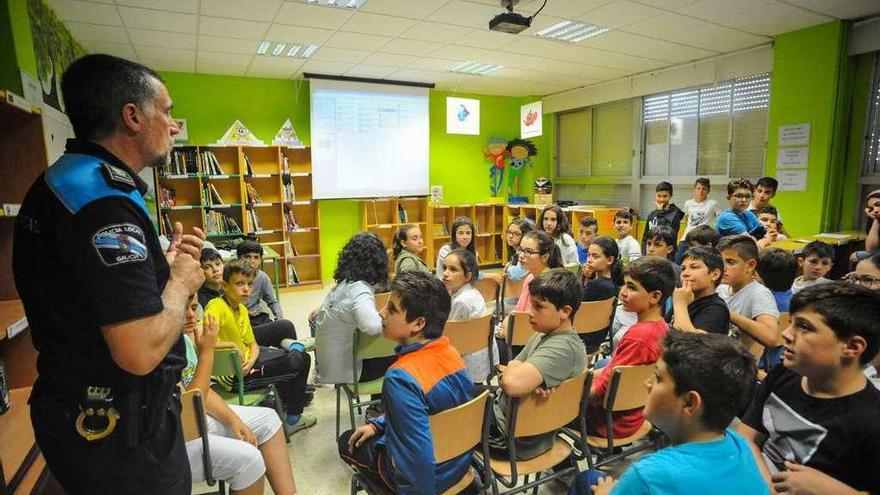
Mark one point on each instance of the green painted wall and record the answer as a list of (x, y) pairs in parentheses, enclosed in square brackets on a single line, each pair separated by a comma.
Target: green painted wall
[(862, 73), (807, 66), (211, 103), (16, 44)]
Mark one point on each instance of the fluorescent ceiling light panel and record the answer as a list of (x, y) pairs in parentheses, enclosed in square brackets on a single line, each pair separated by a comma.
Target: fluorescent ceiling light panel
[(475, 68), (339, 4), (264, 46), (309, 51), (571, 31), (294, 49), (298, 50), (279, 49)]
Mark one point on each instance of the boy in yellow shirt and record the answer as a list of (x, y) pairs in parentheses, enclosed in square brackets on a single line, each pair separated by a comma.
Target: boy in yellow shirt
[(288, 369)]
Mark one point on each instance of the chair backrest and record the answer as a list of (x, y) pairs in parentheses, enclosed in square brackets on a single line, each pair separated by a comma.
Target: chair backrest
[(593, 316), (512, 288), (382, 300), (783, 323), (192, 414), (488, 289), (519, 330), (470, 335), (574, 268), (372, 346), (627, 390), (226, 362), (536, 415), (459, 429)]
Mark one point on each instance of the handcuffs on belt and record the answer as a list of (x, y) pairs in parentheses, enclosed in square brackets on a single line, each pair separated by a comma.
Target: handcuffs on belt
[(97, 417)]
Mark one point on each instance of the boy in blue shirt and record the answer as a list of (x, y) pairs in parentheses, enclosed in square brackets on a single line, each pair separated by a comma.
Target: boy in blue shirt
[(428, 377), (699, 385), (586, 232), (738, 219)]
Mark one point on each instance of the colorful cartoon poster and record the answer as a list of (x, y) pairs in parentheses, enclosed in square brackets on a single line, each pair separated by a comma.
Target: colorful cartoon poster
[(462, 116), (54, 47), (531, 120)]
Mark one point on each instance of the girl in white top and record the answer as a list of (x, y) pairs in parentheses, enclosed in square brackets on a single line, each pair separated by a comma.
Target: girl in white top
[(553, 221), (700, 210), (460, 271), (462, 236)]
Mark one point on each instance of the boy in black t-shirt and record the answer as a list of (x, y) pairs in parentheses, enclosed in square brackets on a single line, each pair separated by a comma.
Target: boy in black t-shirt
[(695, 305), (814, 419)]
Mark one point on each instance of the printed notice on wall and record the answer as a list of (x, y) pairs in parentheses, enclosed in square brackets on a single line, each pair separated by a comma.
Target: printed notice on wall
[(794, 135), (792, 157), (795, 180)]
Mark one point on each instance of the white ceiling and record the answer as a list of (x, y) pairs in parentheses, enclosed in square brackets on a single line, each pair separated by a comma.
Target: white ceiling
[(420, 40)]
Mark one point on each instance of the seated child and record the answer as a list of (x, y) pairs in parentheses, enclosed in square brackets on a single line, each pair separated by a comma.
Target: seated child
[(269, 330), (872, 239), (647, 284), (702, 236), (586, 232), (428, 377), (408, 243), (701, 211), (738, 219), (627, 244), (660, 241), (244, 440), (753, 311), (814, 419), (261, 365), (765, 190), (212, 265), (769, 218), (701, 383), (460, 273), (696, 305), (554, 354), (463, 236), (776, 270), (666, 214), (815, 260), (867, 274), (603, 279)]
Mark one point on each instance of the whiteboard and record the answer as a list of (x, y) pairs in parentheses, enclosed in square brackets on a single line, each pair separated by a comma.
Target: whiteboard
[(368, 140)]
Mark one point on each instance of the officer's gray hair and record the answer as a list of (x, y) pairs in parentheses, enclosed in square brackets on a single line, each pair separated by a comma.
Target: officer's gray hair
[(97, 87)]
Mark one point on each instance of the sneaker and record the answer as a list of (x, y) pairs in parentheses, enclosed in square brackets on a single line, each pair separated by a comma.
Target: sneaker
[(307, 344), (305, 421)]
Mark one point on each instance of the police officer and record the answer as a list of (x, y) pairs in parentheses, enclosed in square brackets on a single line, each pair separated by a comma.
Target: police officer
[(104, 302)]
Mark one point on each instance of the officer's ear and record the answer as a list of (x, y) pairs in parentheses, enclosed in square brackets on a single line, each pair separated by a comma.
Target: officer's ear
[(131, 117)]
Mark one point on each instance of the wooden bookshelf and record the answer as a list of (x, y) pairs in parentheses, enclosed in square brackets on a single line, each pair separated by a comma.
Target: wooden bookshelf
[(22, 160), (489, 236), (265, 190), (384, 216)]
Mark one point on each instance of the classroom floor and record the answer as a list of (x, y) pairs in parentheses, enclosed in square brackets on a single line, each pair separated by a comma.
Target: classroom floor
[(316, 464)]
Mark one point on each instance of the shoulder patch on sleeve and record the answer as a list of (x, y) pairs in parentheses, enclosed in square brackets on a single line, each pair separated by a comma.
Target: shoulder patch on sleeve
[(120, 243), (117, 176)]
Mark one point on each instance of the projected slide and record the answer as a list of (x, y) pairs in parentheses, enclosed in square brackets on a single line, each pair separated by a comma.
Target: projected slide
[(368, 140)]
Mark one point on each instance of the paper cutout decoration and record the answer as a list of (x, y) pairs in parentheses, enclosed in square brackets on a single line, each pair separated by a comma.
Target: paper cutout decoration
[(521, 151), (183, 135), (239, 135), (286, 136), (530, 120), (496, 151)]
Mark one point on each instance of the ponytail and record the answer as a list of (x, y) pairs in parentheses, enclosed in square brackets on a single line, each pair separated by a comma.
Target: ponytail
[(399, 237)]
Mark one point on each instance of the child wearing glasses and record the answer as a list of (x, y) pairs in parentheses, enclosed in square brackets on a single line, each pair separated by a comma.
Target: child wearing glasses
[(738, 219), (513, 270), (867, 275)]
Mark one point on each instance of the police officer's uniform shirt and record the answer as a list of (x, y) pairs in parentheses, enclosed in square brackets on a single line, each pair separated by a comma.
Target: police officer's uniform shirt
[(87, 254)]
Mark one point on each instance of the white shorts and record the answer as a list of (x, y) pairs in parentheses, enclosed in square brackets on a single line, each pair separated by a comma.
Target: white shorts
[(237, 462)]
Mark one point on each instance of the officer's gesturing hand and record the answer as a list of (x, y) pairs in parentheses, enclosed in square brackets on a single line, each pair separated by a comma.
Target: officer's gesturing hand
[(186, 271), (186, 243)]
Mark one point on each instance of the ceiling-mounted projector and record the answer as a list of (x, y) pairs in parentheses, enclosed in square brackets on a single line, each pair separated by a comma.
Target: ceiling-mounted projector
[(510, 22)]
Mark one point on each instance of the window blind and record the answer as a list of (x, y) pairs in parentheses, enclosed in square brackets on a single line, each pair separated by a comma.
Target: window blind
[(575, 146)]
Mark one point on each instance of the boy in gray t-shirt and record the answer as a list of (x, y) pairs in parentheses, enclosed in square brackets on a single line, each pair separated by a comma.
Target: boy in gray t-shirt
[(753, 312), (554, 354)]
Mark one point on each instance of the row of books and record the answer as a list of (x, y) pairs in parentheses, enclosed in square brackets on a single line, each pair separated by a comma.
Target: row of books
[(253, 196), (167, 197), (290, 222), (210, 165), (183, 161), (254, 220), (211, 196), (220, 223)]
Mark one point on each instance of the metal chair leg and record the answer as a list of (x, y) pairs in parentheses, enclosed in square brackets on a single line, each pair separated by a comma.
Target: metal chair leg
[(338, 408)]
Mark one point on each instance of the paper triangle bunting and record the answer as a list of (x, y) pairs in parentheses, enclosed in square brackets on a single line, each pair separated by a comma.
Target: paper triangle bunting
[(286, 136), (239, 135)]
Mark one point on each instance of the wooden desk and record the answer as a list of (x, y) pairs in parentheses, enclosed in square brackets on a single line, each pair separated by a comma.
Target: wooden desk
[(789, 245)]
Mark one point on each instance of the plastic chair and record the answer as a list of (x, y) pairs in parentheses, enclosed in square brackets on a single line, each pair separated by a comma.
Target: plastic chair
[(195, 426), (471, 336), (365, 347), (593, 317), (533, 415), (454, 432), (626, 391), (490, 290), (519, 331)]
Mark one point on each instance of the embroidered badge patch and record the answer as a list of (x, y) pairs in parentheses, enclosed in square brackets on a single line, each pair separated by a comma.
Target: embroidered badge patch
[(120, 243), (117, 175)]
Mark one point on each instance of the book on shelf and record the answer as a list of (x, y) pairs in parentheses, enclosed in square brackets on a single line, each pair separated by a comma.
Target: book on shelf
[(167, 226), (440, 229), (402, 214), (168, 196), (285, 166), (181, 162), (254, 220), (290, 219), (292, 276), (210, 165), (220, 223), (211, 196), (252, 194), (247, 164)]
